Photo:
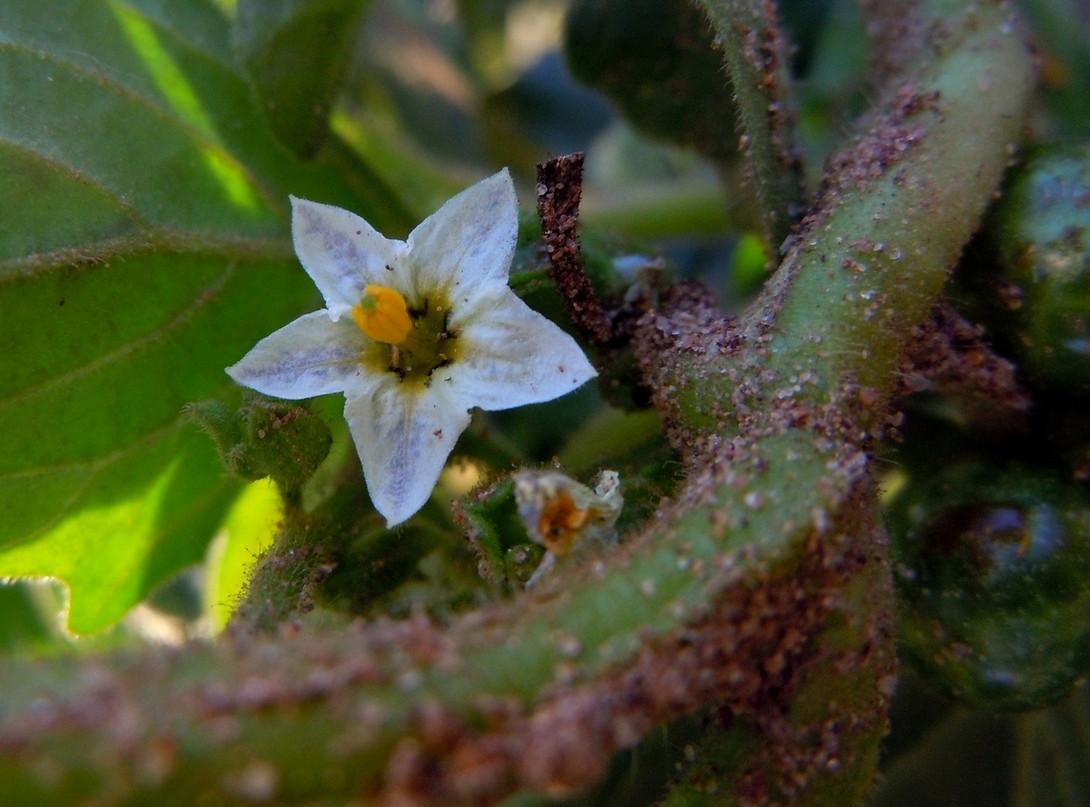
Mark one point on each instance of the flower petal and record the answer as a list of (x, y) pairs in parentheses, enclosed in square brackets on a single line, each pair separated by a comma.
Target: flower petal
[(469, 241), (311, 356), (511, 355), (403, 439), (342, 253)]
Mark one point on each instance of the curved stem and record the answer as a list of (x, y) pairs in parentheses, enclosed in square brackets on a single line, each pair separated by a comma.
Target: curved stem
[(894, 211)]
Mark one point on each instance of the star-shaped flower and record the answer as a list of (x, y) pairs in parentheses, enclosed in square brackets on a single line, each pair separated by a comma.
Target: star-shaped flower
[(414, 333)]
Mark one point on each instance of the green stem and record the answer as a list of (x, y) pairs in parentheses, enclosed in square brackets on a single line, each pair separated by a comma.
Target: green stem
[(756, 57), (894, 213)]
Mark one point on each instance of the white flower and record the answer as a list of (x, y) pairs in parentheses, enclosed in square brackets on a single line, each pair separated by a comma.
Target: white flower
[(414, 333)]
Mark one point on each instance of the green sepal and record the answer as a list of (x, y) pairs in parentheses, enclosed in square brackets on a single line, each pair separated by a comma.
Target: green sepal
[(266, 438), (489, 517)]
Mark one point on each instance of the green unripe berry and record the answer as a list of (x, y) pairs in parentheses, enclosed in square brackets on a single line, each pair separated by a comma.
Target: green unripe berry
[(993, 573), (1040, 294)]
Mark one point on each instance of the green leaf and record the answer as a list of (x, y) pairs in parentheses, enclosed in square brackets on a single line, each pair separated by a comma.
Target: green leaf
[(295, 52), (248, 530), (963, 759), (24, 627), (144, 247), (100, 483), (657, 60)]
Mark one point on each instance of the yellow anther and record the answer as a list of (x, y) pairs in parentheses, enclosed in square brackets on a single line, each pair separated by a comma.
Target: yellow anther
[(383, 315)]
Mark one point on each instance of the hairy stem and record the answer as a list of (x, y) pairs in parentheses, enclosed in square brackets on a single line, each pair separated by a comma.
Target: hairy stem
[(756, 57), (894, 211)]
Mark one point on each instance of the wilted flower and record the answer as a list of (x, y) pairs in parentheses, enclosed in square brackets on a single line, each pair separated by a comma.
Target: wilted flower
[(561, 514), (414, 333)]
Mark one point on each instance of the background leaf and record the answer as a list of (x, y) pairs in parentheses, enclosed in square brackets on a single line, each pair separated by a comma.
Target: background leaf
[(248, 530), (143, 247), (295, 52)]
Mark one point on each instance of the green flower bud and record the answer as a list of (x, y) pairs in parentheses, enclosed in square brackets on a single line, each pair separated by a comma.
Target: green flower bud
[(489, 517), (266, 438)]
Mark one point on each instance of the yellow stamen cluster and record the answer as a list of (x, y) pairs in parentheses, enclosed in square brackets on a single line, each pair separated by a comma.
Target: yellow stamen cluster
[(383, 315)]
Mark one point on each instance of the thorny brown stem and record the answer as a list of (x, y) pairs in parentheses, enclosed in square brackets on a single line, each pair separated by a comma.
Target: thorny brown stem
[(947, 353), (559, 187), (894, 32)]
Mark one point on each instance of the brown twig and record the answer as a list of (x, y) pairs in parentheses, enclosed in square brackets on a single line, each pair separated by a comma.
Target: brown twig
[(948, 354), (559, 187)]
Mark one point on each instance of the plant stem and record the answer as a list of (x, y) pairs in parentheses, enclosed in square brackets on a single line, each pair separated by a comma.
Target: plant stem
[(755, 54), (891, 223)]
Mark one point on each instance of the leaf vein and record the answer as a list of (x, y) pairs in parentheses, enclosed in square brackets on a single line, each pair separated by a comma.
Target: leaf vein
[(161, 110), (155, 238), (65, 167), (94, 469), (200, 300)]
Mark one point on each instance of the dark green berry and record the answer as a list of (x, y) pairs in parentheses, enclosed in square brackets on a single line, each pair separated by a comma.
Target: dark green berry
[(993, 574), (1040, 291)]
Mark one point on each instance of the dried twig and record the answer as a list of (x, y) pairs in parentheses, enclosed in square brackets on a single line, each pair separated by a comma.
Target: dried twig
[(559, 187)]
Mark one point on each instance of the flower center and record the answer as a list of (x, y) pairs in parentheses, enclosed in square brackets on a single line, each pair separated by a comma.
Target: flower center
[(560, 522), (383, 315), (414, 342)]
